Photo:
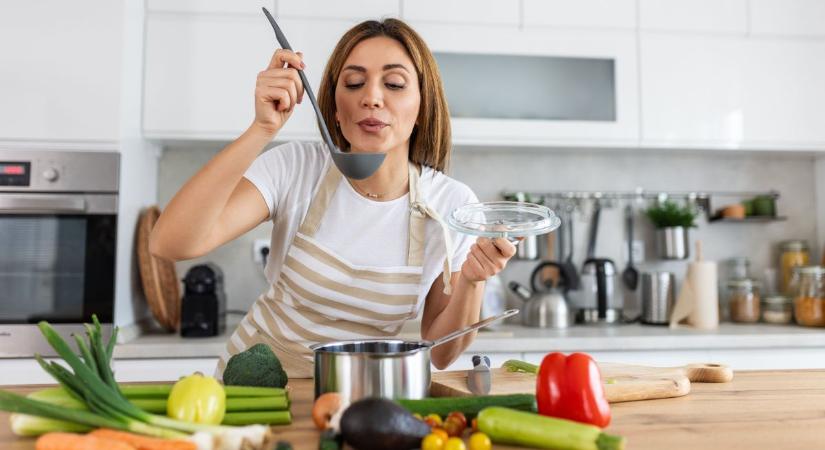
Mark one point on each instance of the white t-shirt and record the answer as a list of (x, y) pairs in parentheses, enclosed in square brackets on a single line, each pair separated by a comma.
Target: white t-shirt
[(363, 231)]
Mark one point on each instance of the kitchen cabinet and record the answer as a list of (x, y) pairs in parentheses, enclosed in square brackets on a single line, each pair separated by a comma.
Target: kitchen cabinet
[(251, 7), (617, 47), (787, 17), (692, 91), (601, 14), (469, 12), (731, 92), (201, 70), (356, 10), (699, 16), (61, 70), (783, 80)]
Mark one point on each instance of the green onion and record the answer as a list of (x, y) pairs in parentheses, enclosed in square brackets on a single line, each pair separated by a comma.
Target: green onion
[(91, 381), (158, 390), (514, 365)]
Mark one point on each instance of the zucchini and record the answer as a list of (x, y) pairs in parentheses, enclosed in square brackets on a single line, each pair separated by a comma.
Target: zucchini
[(469, 406), (508, 426)]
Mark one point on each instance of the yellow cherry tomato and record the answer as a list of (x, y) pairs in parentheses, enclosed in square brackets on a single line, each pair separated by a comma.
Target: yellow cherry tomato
[(441, 432), (434, 420), (455, 443), (480, 441), (432, 442)]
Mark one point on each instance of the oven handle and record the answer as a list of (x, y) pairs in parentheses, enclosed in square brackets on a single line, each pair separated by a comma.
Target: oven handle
[(42, 203)]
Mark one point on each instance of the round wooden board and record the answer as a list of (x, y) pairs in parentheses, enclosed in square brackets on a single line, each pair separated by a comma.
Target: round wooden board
[(158, 275)]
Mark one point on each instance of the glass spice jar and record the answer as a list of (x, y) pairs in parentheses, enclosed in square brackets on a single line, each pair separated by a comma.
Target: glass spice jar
[(743, 300), (777, 309), (809, 301), (792, 254)]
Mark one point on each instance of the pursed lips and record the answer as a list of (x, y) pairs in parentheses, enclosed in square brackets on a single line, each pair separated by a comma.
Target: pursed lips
[(371, 125)]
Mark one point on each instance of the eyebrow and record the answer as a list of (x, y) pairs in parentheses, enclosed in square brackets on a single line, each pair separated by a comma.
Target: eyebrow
[(386, 67)]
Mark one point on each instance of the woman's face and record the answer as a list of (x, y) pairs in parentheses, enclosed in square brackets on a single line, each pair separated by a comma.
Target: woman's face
[(377, 96)]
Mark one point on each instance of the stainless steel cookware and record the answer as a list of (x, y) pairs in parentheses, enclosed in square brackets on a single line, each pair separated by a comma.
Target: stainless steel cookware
[(389, 368)]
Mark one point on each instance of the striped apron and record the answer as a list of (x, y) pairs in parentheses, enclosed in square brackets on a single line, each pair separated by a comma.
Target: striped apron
[(321, 297)]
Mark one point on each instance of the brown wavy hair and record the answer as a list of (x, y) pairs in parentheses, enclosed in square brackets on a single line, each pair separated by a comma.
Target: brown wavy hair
[(430, 138)]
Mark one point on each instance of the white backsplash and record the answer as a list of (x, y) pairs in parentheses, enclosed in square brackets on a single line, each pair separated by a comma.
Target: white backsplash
[(489, 171)]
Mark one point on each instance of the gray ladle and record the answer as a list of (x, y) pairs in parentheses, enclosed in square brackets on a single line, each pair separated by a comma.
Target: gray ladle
[(352, 165)]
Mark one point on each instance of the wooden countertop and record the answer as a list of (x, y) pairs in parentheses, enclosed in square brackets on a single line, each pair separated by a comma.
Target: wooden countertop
[(759, 409)]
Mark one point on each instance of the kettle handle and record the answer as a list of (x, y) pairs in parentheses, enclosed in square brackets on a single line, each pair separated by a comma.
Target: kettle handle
[(537, 271)]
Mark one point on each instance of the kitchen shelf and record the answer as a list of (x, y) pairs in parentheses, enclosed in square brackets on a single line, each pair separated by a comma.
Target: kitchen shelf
[(702, 199)]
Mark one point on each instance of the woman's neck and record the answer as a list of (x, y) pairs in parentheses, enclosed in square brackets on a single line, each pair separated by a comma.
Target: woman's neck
[(390, 181)]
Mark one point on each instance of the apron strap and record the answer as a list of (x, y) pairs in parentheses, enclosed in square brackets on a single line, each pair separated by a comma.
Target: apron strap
[(320, 201), (421, 208)]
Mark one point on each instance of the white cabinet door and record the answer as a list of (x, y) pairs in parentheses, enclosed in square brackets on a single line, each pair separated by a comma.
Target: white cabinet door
[(787, 17), (251, 7), (620, 47), (201, 70), (692, 90), (60, 70), (604, 14), (471, 12), (337, 9), (785, 87), (708, 16)]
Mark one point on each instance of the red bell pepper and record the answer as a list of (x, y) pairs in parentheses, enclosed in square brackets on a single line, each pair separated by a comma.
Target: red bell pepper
[(570, 387)]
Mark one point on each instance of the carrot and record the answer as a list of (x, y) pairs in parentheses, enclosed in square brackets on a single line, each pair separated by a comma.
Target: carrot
[(143, 442), (72, 441)]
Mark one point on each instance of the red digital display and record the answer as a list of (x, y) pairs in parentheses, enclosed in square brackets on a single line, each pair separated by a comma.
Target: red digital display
[(12, 169)]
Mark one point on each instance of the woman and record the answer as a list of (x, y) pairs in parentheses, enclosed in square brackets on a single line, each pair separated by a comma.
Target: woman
[(350, 258)]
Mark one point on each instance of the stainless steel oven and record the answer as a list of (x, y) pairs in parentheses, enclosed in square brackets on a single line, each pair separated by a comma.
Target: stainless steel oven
[(58, 229)]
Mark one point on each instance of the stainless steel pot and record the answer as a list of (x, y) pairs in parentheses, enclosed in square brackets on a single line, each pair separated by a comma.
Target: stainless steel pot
[(389, 368)]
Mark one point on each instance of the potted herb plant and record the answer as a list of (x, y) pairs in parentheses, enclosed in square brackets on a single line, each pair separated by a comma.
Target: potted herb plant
[(672, 222)]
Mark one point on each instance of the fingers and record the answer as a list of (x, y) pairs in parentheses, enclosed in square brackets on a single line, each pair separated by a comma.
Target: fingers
[(270, 76), (487, 258), (280, 96), (281, 83), (281, 58)]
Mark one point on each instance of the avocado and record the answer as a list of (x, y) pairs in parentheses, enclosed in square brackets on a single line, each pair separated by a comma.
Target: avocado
[(381, 424), (255, 366)]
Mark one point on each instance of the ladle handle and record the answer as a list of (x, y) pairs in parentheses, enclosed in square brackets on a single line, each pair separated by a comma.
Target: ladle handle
[(279, 35), (475, 326)]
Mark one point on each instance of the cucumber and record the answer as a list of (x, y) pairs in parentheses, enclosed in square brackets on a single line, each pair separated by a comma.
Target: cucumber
[(508, 426), (470, 406)]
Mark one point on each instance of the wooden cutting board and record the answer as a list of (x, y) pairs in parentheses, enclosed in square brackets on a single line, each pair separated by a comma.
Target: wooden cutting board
[(622, 382)]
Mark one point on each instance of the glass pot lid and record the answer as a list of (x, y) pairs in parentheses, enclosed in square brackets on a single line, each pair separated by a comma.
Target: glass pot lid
[(503, 219)]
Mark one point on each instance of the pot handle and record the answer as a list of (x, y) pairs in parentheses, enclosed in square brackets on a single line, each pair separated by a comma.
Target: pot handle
[(475, 326), (537, 271)]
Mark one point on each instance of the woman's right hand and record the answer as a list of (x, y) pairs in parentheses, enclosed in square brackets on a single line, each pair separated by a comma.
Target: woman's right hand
[(278, 90)]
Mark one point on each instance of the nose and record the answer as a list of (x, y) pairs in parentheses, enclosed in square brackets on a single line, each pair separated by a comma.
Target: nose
[(373, 97)]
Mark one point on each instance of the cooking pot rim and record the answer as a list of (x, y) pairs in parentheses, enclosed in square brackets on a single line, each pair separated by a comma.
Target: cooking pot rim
[(322, 348)]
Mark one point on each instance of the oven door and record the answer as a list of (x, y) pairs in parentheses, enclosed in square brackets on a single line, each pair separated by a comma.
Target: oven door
[(57, 263)]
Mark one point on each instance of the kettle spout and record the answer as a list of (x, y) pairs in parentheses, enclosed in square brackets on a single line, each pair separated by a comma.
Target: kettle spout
[(520, 291)]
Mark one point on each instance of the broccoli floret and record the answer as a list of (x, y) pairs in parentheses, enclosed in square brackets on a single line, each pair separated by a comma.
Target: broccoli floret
[(255, 366)]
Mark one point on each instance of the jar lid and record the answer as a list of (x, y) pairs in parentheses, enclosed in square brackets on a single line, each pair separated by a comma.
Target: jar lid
[(743, 283), (778, 300), (812, 270), (794, 245), (737, 260)]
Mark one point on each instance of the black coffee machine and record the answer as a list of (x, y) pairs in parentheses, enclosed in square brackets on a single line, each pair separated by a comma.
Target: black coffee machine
[(203, 307)]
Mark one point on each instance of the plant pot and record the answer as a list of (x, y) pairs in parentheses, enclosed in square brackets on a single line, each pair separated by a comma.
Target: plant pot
[(672, 243)]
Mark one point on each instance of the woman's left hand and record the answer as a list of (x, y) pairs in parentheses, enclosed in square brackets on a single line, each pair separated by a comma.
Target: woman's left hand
[(486, 258)]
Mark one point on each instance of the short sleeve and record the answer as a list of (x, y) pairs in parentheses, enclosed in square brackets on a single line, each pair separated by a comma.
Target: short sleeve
[(266, 174)]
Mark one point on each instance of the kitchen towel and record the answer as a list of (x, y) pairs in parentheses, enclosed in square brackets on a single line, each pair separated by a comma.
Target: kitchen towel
[(698, 300)]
